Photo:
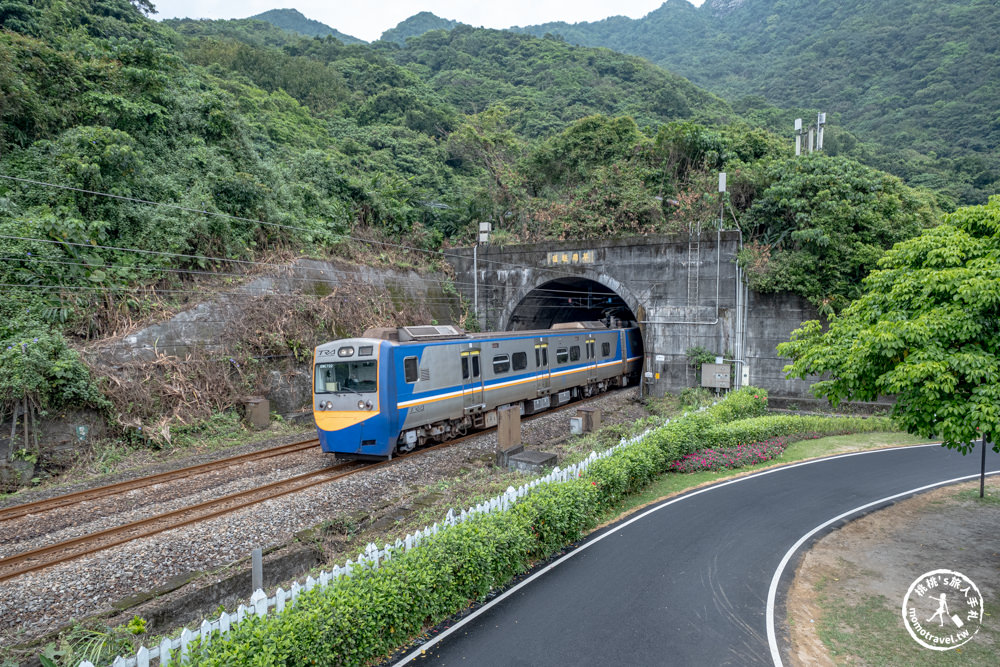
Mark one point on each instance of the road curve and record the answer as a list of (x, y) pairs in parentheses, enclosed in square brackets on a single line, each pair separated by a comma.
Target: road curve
[(686, 581)]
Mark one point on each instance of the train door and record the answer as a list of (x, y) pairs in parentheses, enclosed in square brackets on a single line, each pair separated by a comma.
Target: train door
[(472, 380), (543, 381), (624, 351), (591, 347)]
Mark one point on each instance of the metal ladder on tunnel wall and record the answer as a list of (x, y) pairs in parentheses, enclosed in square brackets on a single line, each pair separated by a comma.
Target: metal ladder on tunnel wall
[(693, 266)]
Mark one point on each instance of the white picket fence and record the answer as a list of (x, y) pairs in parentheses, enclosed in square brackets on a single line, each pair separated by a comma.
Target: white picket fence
[(261, 604)]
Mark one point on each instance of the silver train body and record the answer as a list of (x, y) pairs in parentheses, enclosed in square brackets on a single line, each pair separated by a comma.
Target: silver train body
[(393, 390)]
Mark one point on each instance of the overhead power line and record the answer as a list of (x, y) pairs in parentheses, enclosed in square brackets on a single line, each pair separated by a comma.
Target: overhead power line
[(440, 253), (294, 279)]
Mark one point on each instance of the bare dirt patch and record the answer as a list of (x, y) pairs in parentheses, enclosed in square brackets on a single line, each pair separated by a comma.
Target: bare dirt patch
[(844, 605)]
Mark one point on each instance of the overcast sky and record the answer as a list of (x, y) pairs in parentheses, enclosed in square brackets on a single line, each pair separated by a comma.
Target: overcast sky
[(368, 19)]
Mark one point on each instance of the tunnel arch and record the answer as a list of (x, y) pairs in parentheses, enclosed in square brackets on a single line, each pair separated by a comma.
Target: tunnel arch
[(547, 301)]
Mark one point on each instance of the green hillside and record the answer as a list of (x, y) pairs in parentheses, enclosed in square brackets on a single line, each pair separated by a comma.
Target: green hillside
[(918, 76), (138, 159), (417, 25), (293, 21), (549, 83)]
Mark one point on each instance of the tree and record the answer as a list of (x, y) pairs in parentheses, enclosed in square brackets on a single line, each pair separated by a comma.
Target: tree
[(926, 331), (824, 222)]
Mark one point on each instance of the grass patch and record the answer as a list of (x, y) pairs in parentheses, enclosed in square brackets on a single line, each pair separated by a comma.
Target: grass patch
[(842, 444), (991, 497), (871, 632), (119, 455), (225, 429)]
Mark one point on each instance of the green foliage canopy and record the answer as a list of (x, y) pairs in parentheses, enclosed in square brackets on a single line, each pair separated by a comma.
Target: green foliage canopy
[(293, 21), (36, 364), (819, 224), (910, 82), (251, 139), (926, 331)]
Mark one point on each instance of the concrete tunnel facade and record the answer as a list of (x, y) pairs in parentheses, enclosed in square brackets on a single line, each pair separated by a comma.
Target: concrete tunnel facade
[(685, 291)]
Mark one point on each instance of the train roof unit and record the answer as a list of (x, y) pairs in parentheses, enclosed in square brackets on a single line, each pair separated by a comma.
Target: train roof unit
[(441, 332)]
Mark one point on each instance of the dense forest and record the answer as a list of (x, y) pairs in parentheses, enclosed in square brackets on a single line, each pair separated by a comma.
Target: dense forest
[(137, 156), (917, 76), (907, 85)]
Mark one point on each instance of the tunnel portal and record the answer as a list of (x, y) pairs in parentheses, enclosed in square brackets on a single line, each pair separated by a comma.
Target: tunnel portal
[(569, 300), (685, 291)]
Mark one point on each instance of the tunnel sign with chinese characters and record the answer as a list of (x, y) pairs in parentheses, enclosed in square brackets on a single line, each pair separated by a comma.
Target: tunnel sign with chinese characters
[(570, 257)]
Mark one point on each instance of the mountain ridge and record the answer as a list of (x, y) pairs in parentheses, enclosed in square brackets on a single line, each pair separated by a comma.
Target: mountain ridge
[(915, 75), (293, 20)]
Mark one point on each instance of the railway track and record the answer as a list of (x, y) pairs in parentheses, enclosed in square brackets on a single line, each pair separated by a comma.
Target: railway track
[(38, 559), (57, 502), (44, 557)]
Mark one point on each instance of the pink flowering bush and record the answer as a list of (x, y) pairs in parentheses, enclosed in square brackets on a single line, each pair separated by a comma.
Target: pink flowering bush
[(727, 458)]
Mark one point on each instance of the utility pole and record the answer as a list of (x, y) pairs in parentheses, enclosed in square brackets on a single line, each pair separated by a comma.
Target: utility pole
[(722, 199), (484, 238), (814, 134)]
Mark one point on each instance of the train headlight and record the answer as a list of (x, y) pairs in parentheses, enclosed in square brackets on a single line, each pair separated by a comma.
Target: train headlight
[(361, 405), (368, 405), (329, 405)]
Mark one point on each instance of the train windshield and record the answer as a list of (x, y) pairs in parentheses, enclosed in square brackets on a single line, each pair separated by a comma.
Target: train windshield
[(359, 377)]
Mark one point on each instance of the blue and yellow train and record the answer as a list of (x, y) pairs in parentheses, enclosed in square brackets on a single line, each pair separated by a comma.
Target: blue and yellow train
[(396, 389)]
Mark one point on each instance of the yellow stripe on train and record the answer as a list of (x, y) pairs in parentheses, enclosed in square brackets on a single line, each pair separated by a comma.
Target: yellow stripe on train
[(334, 420)]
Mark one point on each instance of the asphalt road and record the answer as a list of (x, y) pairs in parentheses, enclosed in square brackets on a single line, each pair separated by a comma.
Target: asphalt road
[(686, 582)]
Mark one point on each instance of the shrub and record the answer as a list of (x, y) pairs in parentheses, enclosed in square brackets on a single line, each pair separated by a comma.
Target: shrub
[(756, 429), (740, 404), (39, 366), (376, 610), (626, 472)]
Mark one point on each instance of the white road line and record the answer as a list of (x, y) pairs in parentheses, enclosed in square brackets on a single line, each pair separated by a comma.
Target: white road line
[(612, 530), (772, 592)]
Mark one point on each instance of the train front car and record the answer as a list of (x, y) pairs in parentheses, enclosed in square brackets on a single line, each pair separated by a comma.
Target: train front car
[(352, 399)]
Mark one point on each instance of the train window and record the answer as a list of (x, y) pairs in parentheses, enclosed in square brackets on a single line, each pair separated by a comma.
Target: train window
[(562, 355), (358, 377), (538, 357), (590, 349), (519, 360), (501, 364), (545, 356), (473, 366), (605, 349), (574, 353), (410, 372)]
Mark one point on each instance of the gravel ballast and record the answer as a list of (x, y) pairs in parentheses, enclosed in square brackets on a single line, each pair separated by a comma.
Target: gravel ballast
[(38, 603)]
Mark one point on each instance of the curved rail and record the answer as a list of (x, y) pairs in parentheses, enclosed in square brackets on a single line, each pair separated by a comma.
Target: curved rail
[(48, 504), (43, 557)]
